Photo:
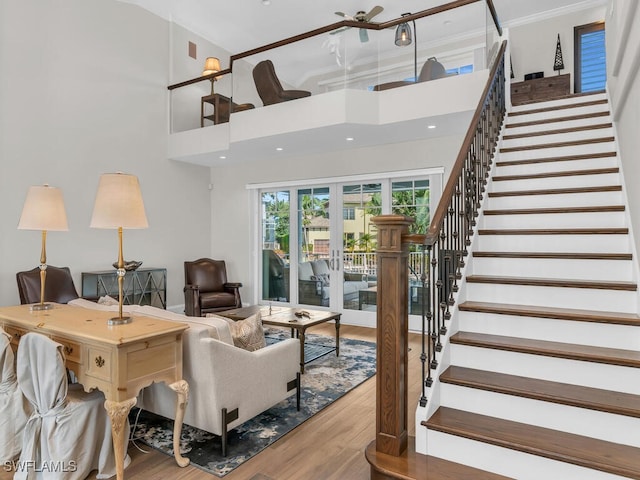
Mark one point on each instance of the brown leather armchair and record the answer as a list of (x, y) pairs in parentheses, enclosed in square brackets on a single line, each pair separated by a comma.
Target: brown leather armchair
[(206, 288), (58, 285), (269, 87)]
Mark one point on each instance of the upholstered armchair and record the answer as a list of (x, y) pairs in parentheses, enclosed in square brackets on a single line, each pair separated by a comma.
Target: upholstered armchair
[(269, 87), (206, 288), (59, 287)]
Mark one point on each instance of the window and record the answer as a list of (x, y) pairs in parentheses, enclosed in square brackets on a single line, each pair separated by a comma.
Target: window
[(348, 213), (590, 54)]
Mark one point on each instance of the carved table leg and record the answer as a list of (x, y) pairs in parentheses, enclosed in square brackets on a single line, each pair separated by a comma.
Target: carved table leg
[(118, 412), (181, 388)]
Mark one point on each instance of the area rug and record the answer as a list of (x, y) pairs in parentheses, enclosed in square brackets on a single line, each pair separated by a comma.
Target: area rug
[(325, 380)]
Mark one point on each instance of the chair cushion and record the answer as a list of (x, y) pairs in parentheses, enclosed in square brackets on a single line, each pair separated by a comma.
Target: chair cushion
[(305, 271), (248, 334), (321, 267), (217, 299)]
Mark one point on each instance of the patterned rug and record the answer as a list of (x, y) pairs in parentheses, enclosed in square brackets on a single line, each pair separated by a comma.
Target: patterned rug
[(325, 380)]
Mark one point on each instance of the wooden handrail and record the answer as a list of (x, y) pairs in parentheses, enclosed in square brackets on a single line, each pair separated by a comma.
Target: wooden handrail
[(441, 211), (334, 26)]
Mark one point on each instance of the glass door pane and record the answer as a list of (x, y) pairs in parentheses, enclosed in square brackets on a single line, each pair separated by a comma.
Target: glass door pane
[(411, 198), (275, 246), (314, 237), (360, 203)]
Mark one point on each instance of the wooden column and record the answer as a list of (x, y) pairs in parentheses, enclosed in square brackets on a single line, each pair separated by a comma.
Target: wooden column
[(392, 334)]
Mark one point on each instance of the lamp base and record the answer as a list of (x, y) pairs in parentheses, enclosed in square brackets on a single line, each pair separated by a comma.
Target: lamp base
[(119, 320), (36, 307)]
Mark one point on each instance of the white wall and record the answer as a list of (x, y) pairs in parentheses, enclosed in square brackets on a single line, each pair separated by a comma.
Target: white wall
[(623, 65), (83, 91), (232, 224), (533, 45)]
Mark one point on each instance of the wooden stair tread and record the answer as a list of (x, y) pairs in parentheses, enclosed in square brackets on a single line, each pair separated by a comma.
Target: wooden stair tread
[(570, 143), (554, 231), (415, 466), (564, 173), (558, 107), (587, 353), (565, 447), (567, 118), (555, 255), (553, 282), (562, 158), (550, 210), (557, 191), (557, 131), (619, 403), (575, 314)]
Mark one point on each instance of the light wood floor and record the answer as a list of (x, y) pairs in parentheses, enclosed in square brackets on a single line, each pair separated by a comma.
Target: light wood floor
[(328, 446)]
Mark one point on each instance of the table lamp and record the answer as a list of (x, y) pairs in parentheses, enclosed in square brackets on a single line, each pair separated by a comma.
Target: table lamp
[(211, 65), (43, 210), (119, 205)]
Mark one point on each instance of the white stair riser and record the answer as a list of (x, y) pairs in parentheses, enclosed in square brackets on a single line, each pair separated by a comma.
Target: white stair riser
[(589, 199), (553, 243), (555, 166), (560, 102), (579, 421), (545, 127), (547, 183), (532, 117), (552, 329), (507, 462), (601, 147), (561, 297), (605, 270), (555, 220), (557, 137), (575, 372)]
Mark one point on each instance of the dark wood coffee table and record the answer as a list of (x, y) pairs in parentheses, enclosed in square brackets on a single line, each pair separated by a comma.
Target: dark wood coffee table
[(285, 317)]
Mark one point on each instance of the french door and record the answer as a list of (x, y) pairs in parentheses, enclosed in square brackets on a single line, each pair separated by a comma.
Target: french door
[(318, 242)]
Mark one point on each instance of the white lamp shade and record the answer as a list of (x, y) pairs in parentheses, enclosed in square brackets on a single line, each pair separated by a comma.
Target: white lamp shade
[(43, 210), (211, 65), (119, 203)]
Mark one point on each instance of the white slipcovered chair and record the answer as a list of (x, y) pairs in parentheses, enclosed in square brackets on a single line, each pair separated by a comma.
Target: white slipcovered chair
[(69, 433), (13, 406)]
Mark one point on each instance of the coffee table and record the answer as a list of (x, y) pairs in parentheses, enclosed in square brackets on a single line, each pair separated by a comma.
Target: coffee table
[(285, 317)]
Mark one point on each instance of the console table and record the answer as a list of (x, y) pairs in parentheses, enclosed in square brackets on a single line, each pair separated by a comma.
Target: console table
[(539, 89), (144, 286), (118, 360)]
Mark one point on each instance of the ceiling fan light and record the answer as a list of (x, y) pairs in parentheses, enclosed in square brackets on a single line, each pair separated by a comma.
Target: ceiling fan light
[(403, 35)]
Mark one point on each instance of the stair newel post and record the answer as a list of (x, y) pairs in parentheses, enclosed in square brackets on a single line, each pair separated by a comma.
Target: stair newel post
[(392, 334)]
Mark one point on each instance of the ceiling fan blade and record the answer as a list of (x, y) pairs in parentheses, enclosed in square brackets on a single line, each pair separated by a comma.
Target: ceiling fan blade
[(340, 30), (344, 15), (364, 36), (373, 12)]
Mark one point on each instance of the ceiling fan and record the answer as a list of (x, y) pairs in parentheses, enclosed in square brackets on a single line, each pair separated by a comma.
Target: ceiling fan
[(360, 16)]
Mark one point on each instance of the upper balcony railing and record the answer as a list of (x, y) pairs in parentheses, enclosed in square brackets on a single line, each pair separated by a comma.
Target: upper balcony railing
[(461, 35)]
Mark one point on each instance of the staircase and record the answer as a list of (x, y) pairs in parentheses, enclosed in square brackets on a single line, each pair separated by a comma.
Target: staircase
[(541, 378)]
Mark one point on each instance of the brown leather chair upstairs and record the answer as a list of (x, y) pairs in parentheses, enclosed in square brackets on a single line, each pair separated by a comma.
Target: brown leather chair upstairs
[(206, 288), (58, 286), (269, 87)]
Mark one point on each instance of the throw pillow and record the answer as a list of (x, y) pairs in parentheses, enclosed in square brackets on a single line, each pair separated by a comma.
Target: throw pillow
[(248, 333)]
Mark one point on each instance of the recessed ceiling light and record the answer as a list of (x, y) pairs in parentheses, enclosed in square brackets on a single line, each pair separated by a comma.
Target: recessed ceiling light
[(279, 149), (222, 157), (349, 139), (431, 127)]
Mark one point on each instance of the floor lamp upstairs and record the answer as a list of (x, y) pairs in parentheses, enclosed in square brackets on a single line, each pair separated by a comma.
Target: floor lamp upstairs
[(118, 206)]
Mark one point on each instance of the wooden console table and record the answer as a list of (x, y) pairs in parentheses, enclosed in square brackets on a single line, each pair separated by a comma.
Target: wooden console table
[(117, 360), (539, 89)]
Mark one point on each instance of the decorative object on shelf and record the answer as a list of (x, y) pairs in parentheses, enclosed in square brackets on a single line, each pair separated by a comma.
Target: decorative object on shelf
[(211, 65), (403, 38), (558, 63), (119, 205), (43, 210), (129, 266)]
